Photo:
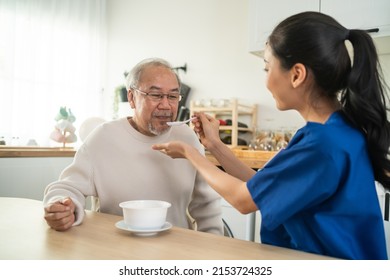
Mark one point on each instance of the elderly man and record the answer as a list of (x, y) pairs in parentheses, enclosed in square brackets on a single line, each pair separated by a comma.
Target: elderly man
[(116, 162)]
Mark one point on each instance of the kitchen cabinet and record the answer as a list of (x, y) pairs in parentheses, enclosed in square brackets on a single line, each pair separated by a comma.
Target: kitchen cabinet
[(353, 14), (361, 14), (237, 225), (233, 110), (265, 15)]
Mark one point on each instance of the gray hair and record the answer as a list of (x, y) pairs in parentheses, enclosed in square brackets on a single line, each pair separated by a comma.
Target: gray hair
[(132, 79)]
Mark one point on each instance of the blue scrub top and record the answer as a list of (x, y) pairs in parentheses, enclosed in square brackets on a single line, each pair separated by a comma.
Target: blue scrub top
[(318, 195)]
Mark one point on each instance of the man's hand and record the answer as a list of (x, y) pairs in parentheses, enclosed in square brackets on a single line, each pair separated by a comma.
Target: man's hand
[(60, 214)]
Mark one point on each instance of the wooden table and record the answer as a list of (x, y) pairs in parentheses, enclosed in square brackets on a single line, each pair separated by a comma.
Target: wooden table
[(24, 234)]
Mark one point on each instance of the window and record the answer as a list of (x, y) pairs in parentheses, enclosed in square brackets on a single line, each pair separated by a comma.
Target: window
[(51, 55)]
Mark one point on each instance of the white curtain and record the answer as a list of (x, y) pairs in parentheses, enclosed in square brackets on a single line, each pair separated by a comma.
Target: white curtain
[(51, 55)]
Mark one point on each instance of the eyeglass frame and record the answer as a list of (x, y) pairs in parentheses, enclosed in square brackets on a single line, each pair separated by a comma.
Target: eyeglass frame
[(161, 95)]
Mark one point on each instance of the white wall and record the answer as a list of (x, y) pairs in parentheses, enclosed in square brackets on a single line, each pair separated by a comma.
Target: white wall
[(211, 36), (28, 177)]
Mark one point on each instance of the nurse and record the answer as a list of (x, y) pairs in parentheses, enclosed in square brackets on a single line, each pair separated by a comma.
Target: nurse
[(318, 194)]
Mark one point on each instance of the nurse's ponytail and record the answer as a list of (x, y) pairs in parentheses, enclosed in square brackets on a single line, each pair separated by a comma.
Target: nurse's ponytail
[(365, 102)]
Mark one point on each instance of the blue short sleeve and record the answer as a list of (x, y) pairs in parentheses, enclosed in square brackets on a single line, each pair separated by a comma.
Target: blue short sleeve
[(281, 189), (318, 195)]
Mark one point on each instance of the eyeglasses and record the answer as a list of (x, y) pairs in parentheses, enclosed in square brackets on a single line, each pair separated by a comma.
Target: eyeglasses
[(158, 96)]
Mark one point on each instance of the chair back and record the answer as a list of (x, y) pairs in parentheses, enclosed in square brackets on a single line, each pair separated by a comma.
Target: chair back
[(384, 202)]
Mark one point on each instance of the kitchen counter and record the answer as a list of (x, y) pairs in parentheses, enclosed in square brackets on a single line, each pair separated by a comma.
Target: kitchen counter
[(254, 159), (14, 152)]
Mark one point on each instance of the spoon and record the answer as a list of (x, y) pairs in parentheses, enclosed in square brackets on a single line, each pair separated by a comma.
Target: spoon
[(181, 122)]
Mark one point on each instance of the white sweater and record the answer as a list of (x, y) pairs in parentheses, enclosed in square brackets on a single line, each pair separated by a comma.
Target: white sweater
[(116, 163)]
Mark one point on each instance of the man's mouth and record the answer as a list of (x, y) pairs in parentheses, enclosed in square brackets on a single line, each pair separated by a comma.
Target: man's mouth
[(164, 118)]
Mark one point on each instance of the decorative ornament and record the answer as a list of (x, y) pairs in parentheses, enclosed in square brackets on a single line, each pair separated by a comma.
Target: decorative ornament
[(64, 131)]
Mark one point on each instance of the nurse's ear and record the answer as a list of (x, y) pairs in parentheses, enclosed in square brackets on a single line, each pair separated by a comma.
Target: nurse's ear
[(298, 74)]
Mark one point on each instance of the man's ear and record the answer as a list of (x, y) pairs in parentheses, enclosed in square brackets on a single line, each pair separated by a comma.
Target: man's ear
[(298, 74), (130, 98)]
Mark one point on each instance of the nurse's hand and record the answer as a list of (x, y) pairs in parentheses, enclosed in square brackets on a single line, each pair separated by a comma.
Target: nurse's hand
[(207, 129), (174, 149)]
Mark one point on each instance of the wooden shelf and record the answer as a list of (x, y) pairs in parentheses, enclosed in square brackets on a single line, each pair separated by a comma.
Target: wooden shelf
[(234, 110)]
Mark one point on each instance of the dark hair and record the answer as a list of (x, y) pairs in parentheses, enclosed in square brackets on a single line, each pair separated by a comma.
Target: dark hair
[(318, 41)]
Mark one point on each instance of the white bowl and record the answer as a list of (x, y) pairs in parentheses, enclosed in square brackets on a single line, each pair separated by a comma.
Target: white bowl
[(145, 214)]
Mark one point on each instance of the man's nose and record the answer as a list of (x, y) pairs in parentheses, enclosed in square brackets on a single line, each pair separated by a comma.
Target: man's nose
[(164, 102)]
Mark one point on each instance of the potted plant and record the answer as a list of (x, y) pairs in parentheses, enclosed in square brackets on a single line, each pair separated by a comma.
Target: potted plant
[(64, 131), (120, 95)]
